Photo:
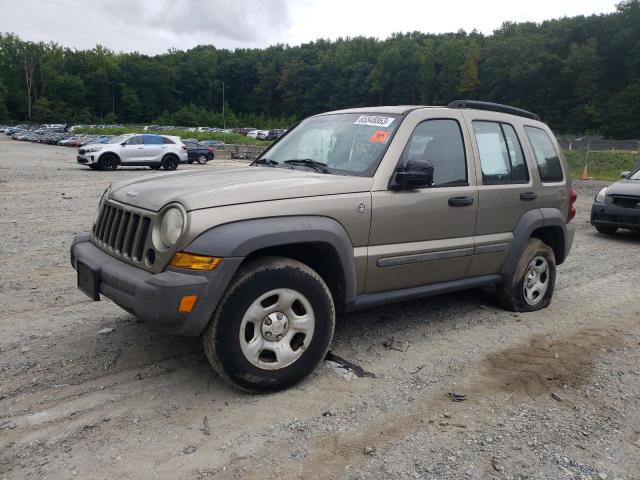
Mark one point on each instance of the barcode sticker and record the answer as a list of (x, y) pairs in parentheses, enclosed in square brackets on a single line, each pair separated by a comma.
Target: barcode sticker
[(374, 120)]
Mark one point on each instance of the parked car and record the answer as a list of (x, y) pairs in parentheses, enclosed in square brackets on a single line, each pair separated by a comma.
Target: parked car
[(618, 205), (215, 144), (274, 134), (349, 210), (262, 134), (198, 153), (154, 151)]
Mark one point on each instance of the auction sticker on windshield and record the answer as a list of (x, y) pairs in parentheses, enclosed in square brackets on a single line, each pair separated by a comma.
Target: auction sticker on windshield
[(380, 136), (374, 120)]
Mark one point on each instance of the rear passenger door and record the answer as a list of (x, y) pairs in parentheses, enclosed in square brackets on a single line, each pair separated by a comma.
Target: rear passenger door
[(506, 187), (153, 148)]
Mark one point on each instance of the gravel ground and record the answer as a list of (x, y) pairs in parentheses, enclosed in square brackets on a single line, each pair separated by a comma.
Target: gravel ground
[(86, 390)]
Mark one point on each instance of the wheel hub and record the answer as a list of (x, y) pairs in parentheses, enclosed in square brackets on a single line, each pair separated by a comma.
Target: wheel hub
[(275, 326)]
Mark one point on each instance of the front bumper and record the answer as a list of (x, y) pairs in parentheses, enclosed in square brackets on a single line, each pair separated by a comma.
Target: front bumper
[(612, 215), (87, 158), (155, 297)]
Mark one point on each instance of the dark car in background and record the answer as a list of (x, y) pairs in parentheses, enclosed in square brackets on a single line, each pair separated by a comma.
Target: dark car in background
[(618, 205), (198, 152)]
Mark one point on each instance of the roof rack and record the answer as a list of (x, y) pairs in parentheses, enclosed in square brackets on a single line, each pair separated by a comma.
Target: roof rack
[(493, 107)]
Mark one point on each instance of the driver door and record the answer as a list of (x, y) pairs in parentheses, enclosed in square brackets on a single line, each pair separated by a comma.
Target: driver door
[(425, 236), (133, 150)]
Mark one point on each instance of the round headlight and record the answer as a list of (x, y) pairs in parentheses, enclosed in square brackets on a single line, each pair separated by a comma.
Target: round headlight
[(171, 226), (600, 197)]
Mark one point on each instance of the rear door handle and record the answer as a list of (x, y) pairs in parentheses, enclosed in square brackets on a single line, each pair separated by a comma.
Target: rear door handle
[(528, 196), (460, 201)]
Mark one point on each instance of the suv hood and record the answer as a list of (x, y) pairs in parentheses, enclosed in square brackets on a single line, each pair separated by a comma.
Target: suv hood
[(624, 187), (196, 190)]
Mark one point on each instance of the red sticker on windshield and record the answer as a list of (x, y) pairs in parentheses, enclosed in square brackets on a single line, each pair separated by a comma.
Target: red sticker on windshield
[(379, 137)]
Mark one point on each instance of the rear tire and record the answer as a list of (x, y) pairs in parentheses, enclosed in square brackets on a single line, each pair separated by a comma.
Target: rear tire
[(531, 285), (108, 162), (170, 162), (202, 159), (606, 229), (272, 327)]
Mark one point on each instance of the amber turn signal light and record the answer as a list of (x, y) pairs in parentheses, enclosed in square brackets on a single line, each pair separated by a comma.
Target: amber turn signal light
[(194, 262), (186, 303)]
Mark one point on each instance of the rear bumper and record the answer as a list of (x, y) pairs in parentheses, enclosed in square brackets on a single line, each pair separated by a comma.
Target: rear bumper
[(155, 297), (612, 215)]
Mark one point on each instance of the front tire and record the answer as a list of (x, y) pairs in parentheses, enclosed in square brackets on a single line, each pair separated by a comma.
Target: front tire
[(272, 327), (108, 162), (531, 286), (606, 229)]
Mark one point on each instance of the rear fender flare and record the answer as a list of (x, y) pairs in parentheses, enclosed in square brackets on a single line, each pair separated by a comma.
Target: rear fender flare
[(528, 223)]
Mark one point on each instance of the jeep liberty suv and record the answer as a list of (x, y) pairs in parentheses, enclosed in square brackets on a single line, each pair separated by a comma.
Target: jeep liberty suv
[(348, 210)]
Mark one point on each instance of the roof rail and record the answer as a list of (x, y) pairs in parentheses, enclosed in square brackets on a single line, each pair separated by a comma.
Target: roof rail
[(493, 107)]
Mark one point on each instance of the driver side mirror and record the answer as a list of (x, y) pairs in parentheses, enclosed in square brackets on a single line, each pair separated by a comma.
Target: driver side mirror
[(415, 174), (624, 174)]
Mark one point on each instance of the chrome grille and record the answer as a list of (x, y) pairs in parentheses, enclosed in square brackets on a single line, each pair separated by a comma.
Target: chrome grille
[(122, 232)]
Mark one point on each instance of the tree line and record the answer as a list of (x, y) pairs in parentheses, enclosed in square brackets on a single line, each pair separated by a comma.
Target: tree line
[(581, 74)]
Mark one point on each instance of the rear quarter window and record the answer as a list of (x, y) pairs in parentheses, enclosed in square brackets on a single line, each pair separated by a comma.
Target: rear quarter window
[(547, 158)]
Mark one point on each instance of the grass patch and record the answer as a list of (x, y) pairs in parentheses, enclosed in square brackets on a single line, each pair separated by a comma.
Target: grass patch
[(232, 138), (602, 165)]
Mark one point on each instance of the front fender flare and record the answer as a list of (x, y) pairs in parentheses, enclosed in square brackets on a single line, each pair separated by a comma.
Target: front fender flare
[(242, 238)]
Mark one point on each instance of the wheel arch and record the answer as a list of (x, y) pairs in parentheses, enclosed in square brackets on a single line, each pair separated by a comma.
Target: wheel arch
[(319, 242), (545, 224), (112, 154)]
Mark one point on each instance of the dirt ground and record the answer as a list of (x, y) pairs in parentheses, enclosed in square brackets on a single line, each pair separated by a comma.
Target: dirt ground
[(548, 395)]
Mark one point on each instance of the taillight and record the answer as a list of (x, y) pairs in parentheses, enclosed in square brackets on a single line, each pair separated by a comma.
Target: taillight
[(572, 205), (210, 150), (184, 147)]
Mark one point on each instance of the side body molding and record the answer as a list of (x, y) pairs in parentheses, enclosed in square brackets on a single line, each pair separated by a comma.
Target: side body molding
[(528, 223), (240, 239)]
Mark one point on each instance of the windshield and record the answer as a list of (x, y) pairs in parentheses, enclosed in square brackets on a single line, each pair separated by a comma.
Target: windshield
[(119, 139), (346, 143), (634, 176)]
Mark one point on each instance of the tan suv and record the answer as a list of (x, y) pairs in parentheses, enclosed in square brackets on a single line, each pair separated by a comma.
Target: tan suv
[(348, 210)]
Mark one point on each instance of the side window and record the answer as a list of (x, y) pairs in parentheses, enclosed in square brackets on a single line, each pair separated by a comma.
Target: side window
[(546, 156), (501, 157), (152, 139), (440, 143), (137, 140), (167, 141)]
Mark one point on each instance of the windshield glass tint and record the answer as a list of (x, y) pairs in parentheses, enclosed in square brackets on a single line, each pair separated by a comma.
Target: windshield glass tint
[(350, 143), (118, 139)]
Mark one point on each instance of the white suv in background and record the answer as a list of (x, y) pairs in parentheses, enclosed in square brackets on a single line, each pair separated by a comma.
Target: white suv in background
[(153, 151)]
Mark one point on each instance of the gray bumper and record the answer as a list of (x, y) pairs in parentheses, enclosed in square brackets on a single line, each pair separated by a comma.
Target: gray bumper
[(155, 297), (613, 215)]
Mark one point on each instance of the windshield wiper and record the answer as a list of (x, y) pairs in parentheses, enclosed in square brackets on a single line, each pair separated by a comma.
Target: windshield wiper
[(265, 161), (307, 162)]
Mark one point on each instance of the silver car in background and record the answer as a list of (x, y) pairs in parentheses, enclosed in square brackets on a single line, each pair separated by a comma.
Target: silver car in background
[(154, 151)]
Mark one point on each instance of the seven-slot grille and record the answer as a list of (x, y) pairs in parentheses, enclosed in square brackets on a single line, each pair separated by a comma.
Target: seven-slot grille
[(121, 231)]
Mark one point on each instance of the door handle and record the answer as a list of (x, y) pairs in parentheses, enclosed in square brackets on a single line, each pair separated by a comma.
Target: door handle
[(460, 201), (140, 148), (528, 196)]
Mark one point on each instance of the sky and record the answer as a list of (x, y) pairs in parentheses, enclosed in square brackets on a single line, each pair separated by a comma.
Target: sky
[(154, 26)]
